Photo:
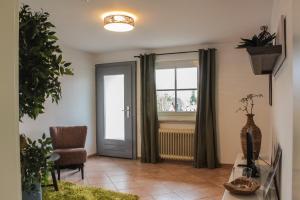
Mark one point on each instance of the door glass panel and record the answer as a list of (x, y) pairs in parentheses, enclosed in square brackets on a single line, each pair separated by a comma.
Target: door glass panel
[(113, 105)]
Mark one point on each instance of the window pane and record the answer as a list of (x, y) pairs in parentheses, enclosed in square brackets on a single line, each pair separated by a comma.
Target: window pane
[(165, 79), (165, 101), (187, 101), (114, 104), (186, 78)]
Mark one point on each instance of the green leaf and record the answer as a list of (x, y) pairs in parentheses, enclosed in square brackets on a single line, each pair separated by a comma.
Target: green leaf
[(52, 37), (59, 59), (40, 62), (263, 39), (68, 71), (67, 64)]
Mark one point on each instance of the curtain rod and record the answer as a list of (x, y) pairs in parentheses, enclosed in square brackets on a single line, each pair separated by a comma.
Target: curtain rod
[(180, 52)]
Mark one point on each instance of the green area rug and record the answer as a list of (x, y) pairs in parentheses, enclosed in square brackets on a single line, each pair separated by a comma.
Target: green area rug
[(70, 191)]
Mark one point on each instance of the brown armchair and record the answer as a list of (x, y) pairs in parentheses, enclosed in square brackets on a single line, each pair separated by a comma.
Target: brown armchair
[(69, 143)]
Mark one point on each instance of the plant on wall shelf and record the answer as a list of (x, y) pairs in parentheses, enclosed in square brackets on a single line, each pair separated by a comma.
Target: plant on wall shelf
[(264, 39), (40, 62)]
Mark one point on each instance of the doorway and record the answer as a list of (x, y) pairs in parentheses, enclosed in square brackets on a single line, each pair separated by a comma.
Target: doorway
[(116, 109)]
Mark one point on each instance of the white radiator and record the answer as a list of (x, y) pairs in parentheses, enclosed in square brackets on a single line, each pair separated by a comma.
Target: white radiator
[(176, 144)]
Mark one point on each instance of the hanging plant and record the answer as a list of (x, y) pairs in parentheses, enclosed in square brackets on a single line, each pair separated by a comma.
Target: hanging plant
[(40, 62), (265, 38)]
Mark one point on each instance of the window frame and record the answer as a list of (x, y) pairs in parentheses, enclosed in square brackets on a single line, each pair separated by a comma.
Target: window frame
[(175, 90)]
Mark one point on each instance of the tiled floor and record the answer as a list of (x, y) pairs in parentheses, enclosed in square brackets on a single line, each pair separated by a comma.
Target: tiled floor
[(164, 181)]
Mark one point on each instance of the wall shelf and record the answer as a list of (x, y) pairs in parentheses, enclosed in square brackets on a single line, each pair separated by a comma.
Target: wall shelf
[(264, 59)]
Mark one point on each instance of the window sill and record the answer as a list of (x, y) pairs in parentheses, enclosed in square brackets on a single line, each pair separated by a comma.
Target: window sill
[(177, 121), (173, 117)]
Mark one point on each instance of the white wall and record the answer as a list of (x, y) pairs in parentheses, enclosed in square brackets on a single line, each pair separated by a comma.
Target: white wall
[(234, 80), (282, 109), (10, 187), (77, 106)]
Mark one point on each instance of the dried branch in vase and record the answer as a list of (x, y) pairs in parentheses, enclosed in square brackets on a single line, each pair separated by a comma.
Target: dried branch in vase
[(247, 103)]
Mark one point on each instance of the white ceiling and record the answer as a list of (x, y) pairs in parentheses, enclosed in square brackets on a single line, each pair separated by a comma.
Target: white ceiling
[(160, 23)]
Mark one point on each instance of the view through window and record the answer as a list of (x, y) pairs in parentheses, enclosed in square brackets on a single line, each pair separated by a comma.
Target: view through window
[(176, 89)]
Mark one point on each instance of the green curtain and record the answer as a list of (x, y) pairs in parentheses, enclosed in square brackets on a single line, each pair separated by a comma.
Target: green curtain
[(205, 155), (149, 120)]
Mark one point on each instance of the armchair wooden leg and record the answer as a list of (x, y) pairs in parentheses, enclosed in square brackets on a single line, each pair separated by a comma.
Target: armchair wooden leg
[(82, 171), (58, 172)]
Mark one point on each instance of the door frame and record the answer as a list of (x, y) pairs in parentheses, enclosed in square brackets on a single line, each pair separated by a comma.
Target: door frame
[(99, 128)]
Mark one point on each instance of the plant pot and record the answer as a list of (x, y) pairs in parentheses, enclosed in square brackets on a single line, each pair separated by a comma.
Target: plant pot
[(256, 137), (34, 194), (264, 59)]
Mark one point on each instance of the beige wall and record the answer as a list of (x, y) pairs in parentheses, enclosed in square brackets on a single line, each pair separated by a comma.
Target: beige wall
[(296, 157), (296, 138), (10, 187), (234, 80), (282, 109), (77, 105)]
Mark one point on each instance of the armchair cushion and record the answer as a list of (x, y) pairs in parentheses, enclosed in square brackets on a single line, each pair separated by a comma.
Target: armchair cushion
[(71, 156)]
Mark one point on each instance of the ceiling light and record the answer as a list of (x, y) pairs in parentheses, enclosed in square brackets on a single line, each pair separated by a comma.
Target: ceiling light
[(119, 22)]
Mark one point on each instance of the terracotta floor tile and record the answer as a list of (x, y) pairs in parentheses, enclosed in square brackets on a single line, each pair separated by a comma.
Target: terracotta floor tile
[(121, 178), (127, 184), (212, 198), (141, 192), (156, 190), (191, 194), (169, 196), (95, 181), (200, 193), (163, 181)]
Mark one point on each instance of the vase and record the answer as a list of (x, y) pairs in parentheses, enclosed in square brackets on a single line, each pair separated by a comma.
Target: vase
[(34, 194), (256, 134)]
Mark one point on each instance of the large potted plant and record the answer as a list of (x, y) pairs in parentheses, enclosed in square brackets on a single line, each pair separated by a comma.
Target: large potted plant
[(34, 165), (40, 66), (247, 106)]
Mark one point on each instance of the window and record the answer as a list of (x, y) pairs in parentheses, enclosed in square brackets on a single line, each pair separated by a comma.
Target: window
[(176, 89)]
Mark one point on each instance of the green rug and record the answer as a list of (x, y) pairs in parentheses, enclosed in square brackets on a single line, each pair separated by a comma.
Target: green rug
[(70, 191)]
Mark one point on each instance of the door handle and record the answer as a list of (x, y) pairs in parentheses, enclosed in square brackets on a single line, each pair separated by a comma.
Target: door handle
[(127, 110)]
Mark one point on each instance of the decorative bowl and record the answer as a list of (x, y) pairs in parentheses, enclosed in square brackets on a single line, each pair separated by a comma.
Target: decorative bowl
[(242, 186)]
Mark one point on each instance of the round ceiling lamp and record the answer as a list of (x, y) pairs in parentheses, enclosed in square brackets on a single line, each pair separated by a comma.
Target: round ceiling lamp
[(119, 22)]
